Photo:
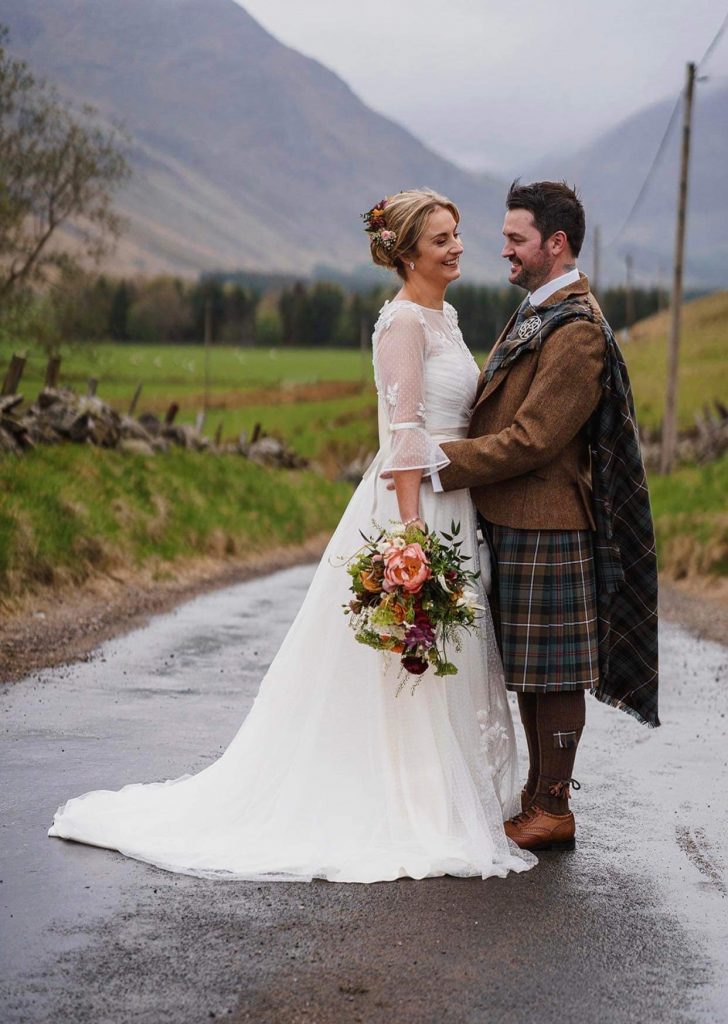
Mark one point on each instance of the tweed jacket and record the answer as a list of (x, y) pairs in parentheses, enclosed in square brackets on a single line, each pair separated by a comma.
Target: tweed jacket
[(526, 458)]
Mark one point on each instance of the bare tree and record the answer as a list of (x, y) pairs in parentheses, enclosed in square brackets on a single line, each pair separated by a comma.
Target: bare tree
[(57, 167)]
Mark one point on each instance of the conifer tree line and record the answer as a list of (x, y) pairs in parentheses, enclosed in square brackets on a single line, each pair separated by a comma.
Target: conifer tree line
[(297, 313)]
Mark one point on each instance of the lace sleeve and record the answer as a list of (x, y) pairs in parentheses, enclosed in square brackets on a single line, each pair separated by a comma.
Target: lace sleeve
[(399, 366)]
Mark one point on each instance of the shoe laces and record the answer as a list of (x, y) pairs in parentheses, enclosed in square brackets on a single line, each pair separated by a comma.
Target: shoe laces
[(524, 816), (561, 788)]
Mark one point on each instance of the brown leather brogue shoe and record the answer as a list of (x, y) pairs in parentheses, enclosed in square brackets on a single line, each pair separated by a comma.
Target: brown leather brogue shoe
[(536, 829)]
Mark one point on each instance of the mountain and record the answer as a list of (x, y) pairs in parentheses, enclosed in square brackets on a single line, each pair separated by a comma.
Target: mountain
[(246, 154), (611, 170)]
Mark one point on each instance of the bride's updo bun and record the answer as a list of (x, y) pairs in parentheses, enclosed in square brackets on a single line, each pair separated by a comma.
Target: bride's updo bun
[(395, 225)]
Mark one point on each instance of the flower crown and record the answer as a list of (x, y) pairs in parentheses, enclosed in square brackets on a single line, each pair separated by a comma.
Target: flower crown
[(375, 224)]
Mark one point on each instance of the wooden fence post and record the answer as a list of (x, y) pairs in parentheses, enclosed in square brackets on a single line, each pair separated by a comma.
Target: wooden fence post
[(12, 377), (135, 399), (53, 369)]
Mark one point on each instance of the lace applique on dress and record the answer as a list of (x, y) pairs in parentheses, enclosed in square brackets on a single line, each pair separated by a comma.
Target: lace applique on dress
[(385, 318), (494, 743), (451, 315)]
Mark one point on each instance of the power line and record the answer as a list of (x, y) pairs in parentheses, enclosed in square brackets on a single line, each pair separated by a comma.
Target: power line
[(663, 141), (714, 42), (653, 166)]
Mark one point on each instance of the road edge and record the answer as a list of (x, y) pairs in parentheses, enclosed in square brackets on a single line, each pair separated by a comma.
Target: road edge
[(61, 627)]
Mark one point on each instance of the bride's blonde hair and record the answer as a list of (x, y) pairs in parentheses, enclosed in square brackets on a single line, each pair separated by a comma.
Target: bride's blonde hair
[(405, 214)]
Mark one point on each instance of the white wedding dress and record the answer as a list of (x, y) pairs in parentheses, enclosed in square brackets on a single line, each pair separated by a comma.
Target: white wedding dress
[(332, 775)]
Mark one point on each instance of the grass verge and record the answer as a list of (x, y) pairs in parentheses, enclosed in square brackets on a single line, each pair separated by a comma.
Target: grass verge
[(67, 513), (691, 520), (703, 366)]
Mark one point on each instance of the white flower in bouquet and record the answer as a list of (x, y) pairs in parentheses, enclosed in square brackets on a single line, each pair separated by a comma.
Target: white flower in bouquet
[(469, 599)]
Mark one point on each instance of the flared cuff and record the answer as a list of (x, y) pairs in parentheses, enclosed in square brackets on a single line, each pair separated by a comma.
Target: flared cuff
[(413, 448)]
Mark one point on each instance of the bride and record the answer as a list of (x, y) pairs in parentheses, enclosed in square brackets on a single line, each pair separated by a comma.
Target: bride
[(332, 775)]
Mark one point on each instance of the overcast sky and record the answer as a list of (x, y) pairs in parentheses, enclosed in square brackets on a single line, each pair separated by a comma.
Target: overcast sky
[(493, 85)]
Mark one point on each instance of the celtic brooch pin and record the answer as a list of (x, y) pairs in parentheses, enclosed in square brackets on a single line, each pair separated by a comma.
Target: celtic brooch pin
[(529, 327)]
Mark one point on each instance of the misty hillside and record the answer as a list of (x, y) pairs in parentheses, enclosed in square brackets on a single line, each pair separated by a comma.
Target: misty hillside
[(247, 154)]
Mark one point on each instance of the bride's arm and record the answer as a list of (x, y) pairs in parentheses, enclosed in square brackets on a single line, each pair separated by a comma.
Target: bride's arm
[(407, 486), (399, 365)]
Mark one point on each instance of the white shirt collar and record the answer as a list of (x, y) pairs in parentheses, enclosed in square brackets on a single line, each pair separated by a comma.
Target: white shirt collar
[(548, 289)]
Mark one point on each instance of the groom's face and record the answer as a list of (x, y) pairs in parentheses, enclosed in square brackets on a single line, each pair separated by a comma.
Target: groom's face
[(530, 260)]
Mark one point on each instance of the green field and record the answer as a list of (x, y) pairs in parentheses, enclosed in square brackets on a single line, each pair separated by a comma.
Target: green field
[(178, 371), (320, 401)]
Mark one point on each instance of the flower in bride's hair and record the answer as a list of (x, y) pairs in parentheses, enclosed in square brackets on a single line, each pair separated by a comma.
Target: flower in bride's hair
[(374, 220), (387, 239)]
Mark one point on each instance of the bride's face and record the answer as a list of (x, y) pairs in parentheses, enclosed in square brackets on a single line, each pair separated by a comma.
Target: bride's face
[(437, 259)]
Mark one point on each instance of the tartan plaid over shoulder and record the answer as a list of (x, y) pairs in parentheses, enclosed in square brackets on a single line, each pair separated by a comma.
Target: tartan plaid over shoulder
[(624, 545)]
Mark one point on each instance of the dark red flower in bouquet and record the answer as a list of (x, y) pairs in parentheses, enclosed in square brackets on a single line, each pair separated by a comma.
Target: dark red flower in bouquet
[(416, 666), (420, 635)]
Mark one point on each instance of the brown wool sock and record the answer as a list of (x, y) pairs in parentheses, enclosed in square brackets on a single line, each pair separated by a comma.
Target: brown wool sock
[(560, 720), (527, 705)]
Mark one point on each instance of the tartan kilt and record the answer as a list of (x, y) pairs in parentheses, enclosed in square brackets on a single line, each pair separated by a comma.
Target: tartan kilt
[(544, 605)]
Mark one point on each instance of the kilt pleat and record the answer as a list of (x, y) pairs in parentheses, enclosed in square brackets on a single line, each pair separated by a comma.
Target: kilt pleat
[(546, 615)]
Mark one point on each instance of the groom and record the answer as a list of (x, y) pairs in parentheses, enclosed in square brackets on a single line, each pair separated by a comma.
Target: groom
[(553, 463)]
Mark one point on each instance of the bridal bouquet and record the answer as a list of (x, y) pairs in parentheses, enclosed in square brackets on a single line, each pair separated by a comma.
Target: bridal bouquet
[(412, 596)]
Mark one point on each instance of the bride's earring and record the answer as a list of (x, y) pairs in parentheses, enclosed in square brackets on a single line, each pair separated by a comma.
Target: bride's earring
[(412, 266)]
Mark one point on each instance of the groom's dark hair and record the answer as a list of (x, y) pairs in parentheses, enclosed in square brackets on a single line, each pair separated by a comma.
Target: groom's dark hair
[(554, 206)]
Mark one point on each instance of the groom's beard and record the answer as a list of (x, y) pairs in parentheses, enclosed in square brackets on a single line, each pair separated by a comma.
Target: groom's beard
[(533, 276)]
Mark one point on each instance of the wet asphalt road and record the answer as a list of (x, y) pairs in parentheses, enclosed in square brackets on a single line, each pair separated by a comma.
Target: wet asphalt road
[(633, 926)]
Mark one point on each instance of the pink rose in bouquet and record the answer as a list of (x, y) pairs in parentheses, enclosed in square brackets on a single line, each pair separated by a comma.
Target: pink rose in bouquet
[(406, 567)]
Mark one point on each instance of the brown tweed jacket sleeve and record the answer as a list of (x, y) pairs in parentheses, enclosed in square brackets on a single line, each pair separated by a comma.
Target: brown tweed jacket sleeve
[(529, 413)]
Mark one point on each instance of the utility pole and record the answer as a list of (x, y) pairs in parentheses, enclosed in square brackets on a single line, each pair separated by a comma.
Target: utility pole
[(669, 423), (208, 343), (595, 262), (629, 294)]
